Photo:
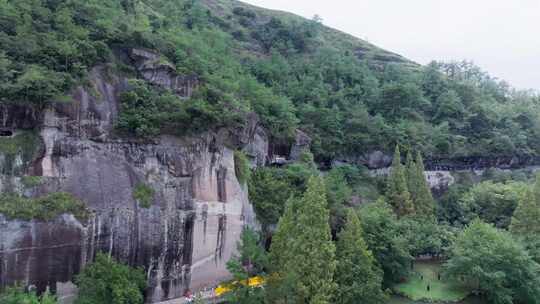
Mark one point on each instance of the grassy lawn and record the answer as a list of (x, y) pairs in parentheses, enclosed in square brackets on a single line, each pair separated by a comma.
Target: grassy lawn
[(426, 273), (402, 300)]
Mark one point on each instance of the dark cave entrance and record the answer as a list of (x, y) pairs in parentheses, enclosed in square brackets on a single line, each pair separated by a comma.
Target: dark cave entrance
[(6, 133)]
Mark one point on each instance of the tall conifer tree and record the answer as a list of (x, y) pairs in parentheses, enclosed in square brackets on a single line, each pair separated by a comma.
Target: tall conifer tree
[(278, 287), (424, 204), (411, 175), (397, 191), (302, 251), (359, 279)]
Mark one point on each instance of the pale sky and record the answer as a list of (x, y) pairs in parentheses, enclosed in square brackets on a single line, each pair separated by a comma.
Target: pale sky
[(501, 36)]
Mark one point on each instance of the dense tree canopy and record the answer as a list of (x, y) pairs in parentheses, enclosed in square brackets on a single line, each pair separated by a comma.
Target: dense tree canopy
[(290, 71), (495, 264), (492, 202)]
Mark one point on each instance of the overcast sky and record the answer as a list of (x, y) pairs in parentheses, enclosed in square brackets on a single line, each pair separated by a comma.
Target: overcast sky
[(500, 36)]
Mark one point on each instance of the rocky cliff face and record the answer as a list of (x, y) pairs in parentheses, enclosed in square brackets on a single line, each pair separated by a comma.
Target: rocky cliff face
[(380, 160), (184, 238)]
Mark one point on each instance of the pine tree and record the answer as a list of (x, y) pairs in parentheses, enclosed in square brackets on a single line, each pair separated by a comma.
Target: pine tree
[(283, 237), (424, 205), (410, 175), (304, 253), (397, 191), (359, 279), (278, 287), (526, 218)]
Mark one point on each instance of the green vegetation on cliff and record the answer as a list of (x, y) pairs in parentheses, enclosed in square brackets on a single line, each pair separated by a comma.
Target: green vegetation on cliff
[(16, 295), (42, 208), (144, 194)]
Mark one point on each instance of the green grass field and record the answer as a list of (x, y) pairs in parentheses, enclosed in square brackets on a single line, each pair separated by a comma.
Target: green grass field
[(426, 273)]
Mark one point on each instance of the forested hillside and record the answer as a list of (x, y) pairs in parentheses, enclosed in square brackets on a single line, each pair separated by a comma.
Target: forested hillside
[(159, 132), (349, 96)]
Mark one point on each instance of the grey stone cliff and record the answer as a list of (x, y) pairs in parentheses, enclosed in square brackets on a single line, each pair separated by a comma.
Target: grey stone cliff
[(182, 241)]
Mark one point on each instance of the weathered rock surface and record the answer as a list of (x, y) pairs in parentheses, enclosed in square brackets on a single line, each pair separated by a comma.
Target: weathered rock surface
[(380, 160), (302, 143), (158, 71), (256, 142), (185, 238)]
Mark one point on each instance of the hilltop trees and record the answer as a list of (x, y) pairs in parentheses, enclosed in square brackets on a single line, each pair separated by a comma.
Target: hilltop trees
[(357, 276)]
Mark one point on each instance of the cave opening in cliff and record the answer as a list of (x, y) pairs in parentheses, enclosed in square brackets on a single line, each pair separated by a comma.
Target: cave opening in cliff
[(6, 133)]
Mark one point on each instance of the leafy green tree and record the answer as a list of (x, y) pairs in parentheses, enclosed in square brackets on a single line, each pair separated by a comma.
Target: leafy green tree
[(268, 192), (107, 281), (39, 85), (525, 224), (304, 253), (386, 240), (495, 265), (492, 202), (397, 192), (433, 82), (357, 276), (449, 108), (526, 217), (250, 261), (449, 208), (426, 237), (400, 99)]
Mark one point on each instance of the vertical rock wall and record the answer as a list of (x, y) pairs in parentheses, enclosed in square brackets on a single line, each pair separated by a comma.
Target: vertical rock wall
[(184, 238)]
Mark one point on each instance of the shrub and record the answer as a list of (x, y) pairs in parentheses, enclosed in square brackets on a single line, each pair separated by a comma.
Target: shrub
[(144, 195), (42, 208), (16, 295), (31, 181), (107, 281)]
